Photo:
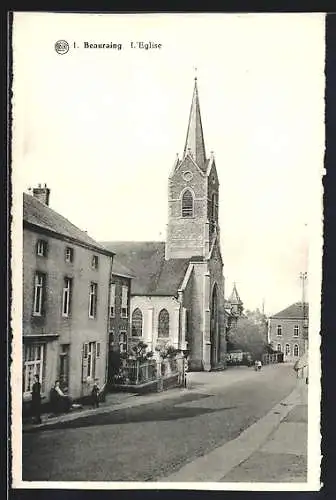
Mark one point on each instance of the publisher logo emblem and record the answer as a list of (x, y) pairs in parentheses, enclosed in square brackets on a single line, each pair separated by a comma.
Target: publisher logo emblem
[(61, 47)]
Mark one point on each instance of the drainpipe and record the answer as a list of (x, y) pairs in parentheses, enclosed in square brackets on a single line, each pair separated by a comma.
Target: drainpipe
[(107, 322)]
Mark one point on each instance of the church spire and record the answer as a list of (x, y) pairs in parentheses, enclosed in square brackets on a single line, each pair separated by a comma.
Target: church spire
[(234, 297), (195, 142)]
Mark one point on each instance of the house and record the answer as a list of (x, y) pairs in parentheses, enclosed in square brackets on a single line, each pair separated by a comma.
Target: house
[(119, 315), (66, 277), (288, 331), (177, 294)]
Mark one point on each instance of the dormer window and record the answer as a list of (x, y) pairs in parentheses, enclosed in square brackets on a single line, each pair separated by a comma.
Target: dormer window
[(187, 204)]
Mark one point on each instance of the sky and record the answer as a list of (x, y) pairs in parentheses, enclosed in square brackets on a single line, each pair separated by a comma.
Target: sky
[(102, 127)]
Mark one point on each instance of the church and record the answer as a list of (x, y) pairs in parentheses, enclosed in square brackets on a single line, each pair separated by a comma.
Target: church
[(177, 294)]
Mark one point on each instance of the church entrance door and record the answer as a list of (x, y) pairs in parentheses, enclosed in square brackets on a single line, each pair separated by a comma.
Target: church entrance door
[(214, 330)]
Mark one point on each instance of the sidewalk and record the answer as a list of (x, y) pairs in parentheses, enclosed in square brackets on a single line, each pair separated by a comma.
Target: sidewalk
[(198, 382), (283, 456), (274, 449)]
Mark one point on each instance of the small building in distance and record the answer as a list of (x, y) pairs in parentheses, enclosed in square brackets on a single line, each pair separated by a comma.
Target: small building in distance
[(66, 278), (288, 331)]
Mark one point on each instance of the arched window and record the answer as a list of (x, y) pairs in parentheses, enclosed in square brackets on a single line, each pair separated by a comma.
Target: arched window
[(137, 323), (287, 350), (296, 350), (214, 207), (163, 330), (279, 348), (187, 204)]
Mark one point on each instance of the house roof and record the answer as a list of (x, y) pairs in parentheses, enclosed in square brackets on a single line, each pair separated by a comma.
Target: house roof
[(146, 261), (295, 311), (41, 216)]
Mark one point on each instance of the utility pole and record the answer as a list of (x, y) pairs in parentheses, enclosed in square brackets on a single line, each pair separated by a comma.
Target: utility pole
[(303, 278)]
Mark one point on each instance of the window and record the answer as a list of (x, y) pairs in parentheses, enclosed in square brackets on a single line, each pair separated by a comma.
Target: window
[(123, 341), (91, 354), (64, 366), (32, 365), (69, 254), (287, 350), (163, 330), (124, 301), (41, 248), (279, 348), (296, 330), (112, 300), (214, 207), (93, 300), (187, 204), (39, 290), (279, 330), (296, 350), (94, 262), (66, 299), (137, 323)]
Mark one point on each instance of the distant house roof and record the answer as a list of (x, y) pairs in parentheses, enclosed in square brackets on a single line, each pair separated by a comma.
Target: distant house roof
[(153, 275), (43, 217), (295, 311)]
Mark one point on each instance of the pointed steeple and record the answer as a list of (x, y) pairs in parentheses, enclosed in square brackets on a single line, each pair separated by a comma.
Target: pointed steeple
[(234, 297), (195, 142)]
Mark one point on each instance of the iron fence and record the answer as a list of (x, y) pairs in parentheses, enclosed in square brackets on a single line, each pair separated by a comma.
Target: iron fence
[(135, 372)]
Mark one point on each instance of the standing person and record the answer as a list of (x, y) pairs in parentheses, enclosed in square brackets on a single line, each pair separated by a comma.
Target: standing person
[(36, 400), (186, 366), (95, 394)]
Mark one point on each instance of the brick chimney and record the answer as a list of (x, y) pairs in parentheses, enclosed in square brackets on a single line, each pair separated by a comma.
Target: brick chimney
[(42, 193)]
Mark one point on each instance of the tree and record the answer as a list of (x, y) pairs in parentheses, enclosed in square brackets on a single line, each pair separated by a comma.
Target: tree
[(248, 336)]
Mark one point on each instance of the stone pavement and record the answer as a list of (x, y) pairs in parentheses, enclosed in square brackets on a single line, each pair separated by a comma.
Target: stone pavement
[(199, 382), (274, 449)]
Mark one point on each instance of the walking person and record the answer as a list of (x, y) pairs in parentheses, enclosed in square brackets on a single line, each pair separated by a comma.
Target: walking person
[(36, 400)]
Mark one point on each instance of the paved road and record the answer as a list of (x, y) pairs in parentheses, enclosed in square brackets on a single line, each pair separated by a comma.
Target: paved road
[(149, 442)]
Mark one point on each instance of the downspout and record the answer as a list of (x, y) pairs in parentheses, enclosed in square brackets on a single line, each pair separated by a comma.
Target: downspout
[(107, 322)]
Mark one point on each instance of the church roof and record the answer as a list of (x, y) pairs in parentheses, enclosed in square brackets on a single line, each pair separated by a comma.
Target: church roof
[(234, 297), (43, 217), (153, 275), (119, 270), (295, 311), (194, 145)]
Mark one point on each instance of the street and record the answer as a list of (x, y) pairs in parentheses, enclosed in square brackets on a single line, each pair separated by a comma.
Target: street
[(152, 441)]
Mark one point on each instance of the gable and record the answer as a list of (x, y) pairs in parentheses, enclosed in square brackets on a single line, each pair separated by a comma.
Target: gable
[(215, 254), (212, 175), (187, 175)]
